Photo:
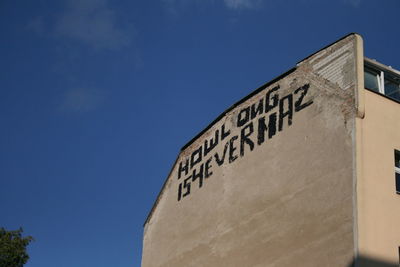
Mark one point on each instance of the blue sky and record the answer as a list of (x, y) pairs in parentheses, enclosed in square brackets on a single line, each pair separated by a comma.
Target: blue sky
[(98, 96)]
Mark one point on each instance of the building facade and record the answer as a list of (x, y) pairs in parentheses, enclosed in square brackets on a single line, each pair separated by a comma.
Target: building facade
[(302, 172)]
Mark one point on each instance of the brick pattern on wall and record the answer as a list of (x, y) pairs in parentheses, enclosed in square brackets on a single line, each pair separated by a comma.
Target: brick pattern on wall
[(337, 65)]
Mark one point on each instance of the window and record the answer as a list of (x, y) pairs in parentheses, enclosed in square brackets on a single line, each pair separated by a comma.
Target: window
[(371, 79), (397, 170), (382, 80), (392, 87)]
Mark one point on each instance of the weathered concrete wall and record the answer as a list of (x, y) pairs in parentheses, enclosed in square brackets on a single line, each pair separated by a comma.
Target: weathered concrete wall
[(270, 183), (378, 203)]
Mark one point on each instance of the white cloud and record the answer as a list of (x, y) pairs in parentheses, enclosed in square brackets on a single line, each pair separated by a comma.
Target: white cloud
[(93, 23), (82, 99)]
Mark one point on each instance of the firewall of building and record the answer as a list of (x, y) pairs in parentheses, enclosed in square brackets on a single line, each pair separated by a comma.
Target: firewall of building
[(304, 171)]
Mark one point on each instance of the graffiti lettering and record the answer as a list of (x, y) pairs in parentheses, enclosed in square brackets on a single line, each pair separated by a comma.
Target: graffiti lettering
[(213, 143), (208, 167), (288, 112), (232, 148), (224, 134), (185, 168), (257, 110), (196, 157), (299, 105), (198, 174), (243, 117), (220, 160), (244, 138), (274, 98), (273, 113), (262, 128)]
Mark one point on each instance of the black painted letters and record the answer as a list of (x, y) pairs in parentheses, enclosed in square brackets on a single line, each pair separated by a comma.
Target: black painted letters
[(257, 122)]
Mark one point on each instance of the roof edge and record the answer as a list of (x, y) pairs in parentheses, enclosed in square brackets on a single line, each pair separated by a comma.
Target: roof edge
[(256, 91), (325, 47), (160, 193)]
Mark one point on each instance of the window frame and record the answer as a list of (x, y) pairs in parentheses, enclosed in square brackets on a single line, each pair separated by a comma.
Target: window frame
[(397, 172), (381, 71)]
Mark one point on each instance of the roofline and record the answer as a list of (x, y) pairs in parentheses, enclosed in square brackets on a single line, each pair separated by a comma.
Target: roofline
[(325, 47), (160, 193), (259, 89)]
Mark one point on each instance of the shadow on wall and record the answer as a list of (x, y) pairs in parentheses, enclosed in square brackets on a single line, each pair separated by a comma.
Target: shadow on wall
[(363, 261)]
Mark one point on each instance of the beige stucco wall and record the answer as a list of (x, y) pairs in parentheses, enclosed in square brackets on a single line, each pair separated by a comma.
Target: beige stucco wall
[(286, 201), (378, 203)]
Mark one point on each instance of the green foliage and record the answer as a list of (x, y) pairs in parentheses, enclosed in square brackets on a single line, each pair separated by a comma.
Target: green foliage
[(13, 248)]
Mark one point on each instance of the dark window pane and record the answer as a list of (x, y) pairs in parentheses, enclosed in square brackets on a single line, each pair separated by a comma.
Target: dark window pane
[(392, 89), (398, 183), (371, 80), (397, 158)]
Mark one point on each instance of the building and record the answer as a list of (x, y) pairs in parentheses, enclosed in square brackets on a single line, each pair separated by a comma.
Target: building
[(304, 171)]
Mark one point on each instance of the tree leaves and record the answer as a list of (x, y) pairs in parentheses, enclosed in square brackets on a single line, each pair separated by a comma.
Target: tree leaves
[(13, 248)]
